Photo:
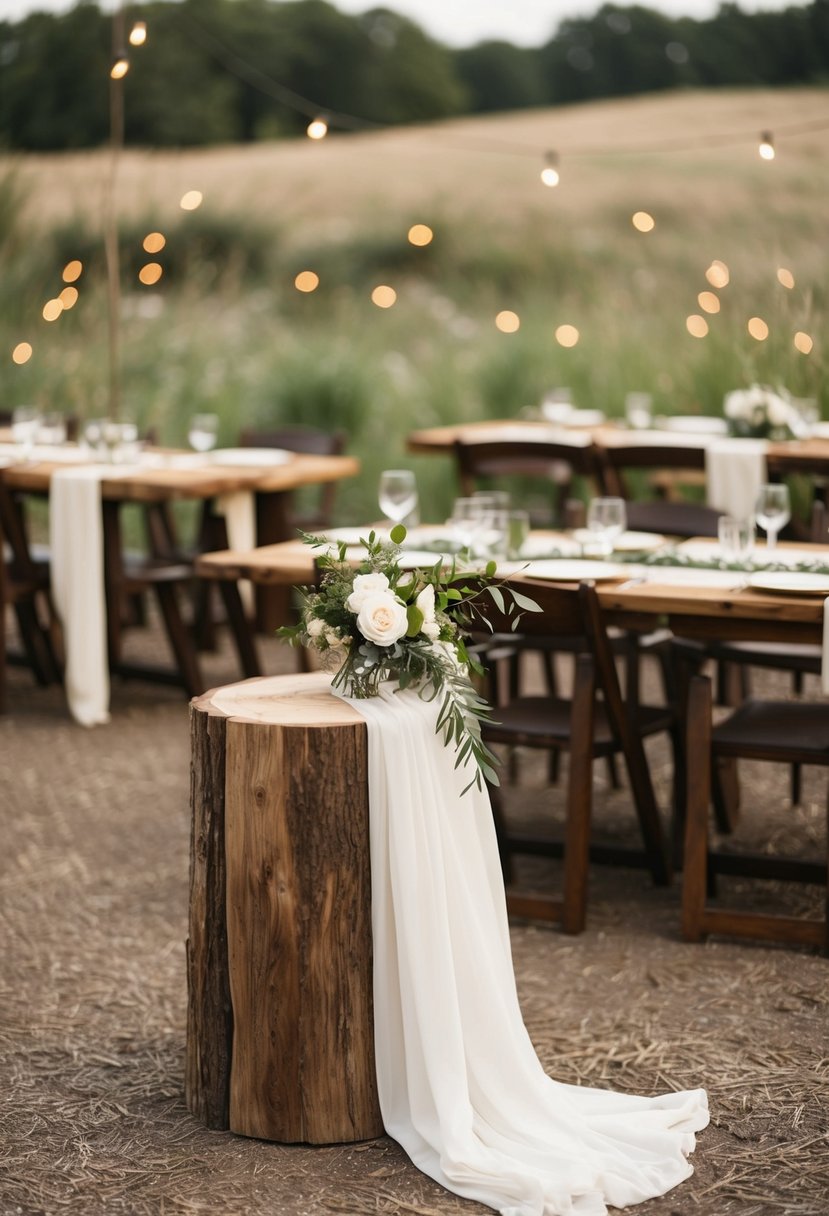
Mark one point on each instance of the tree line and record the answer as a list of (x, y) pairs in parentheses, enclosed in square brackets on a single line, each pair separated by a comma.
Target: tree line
[(218, 71)]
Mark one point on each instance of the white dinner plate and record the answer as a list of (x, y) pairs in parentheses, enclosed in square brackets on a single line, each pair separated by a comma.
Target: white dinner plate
[(639, 542), (411, 559), (566, 570), (791, 583), (695, 424), (353, 536), (250, 456)]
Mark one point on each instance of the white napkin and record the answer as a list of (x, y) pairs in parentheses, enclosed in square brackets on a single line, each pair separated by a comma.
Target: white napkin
[(239, 510), (76, 539), (824, 662), (735, 469)]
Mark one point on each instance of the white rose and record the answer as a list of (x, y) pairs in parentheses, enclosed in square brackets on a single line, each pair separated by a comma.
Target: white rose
[(737, 404), (431, 629), (779, 413), (426, 603), (315, 626), (382, 618), (365, 585)]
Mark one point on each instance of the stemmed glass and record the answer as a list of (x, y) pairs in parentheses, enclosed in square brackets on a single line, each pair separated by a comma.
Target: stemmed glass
[(25, 423), (397, 494), (607, 520), (773, 511), (203, 431)]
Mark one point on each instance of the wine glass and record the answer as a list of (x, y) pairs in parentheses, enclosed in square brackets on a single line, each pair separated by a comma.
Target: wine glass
[(606, 520), (397, 494), (203, 431), (773, 511)]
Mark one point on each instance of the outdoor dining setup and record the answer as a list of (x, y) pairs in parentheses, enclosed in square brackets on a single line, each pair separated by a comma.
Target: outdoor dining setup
[(685, 585)]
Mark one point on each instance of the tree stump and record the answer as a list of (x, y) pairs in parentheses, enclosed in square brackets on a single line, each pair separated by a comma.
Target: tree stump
[(280, 1041)]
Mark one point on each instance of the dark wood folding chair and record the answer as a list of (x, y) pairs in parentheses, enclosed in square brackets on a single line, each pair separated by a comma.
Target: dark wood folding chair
[(789, 732), (627, 470), (595, 721), (552, 466), (24, 587), (319, 514)]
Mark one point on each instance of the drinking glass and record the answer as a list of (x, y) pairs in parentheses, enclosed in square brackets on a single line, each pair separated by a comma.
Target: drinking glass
[(772, 511), (203, 431), (736, 538), (25, 423), (397, 494), (466, 521), (51, 430), (519, 530), (806, 415), (606, 520), (639, 410)]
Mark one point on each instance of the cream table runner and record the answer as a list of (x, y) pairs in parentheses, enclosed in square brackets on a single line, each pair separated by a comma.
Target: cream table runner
[(460, 1085)]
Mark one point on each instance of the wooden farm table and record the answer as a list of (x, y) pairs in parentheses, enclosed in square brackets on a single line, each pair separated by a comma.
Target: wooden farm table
[(165, 477), (809, 456), (698, 611)]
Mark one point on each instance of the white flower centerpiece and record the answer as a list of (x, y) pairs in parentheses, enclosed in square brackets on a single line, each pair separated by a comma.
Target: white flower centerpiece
[(374, 621), (759, 412)]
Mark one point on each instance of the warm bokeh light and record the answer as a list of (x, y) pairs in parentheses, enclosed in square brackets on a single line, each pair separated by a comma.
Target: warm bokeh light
[(22, 353), (803, 342), (150, 273), (550, 175), (643, 221), (52, 309), (758, 329), (567, 335), (191, 200), (138, 33), (120, 67), (307, 280), (508, 322), (708, 302), (383, 296), (72, 271), (785, 277), (317, 129), (420, 234), (154, 242), (717, 274), (69, 297), (696, 325), (766, 148)]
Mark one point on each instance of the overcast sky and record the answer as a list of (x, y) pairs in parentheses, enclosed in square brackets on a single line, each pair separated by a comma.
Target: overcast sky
[(464, 22)]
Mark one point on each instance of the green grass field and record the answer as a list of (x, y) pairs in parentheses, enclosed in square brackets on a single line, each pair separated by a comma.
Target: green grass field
[(226, 330)]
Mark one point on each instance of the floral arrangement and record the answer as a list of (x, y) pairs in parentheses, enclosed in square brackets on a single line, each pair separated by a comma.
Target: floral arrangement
[(375, 621), (759, 412)]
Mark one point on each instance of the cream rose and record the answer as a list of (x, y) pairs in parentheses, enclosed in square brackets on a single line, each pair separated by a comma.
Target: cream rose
[(382, 618), (364, 586)]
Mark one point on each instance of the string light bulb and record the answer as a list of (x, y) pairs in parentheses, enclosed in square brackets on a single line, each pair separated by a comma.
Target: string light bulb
[(317, 128), (766, 148), (120, 66), (138, 33), (550, 174)]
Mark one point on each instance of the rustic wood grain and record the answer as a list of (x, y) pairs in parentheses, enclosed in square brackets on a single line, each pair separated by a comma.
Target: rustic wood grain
[(298, 958), (209, 1012)]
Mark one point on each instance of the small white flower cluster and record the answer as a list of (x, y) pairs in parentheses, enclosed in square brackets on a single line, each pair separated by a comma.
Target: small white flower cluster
[(758, 407), (381, 616)]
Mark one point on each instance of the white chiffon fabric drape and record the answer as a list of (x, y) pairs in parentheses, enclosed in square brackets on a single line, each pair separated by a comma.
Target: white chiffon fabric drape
[(460, 1085)]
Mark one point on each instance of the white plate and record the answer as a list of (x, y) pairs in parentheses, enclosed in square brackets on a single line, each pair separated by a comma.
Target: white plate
[(250, 456), (695, 424), (353, 536), (410, 559), (791, 584), (566, 570), (639, 542)]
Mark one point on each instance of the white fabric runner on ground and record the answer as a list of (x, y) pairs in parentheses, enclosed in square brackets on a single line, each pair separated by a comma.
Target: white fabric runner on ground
[(76, 538), (460, 1085)]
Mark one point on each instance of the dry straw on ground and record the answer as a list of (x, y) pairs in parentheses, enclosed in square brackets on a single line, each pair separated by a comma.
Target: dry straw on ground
[(93, 891)]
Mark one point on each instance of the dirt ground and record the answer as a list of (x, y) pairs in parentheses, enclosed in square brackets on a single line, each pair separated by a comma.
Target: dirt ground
[(93, 906)]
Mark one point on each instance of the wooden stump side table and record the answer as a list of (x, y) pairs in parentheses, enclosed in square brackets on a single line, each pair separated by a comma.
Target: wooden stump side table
[(280, 1041)]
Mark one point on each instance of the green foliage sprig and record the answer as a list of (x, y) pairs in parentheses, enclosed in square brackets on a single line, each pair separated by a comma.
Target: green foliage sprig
[(374, 621)]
